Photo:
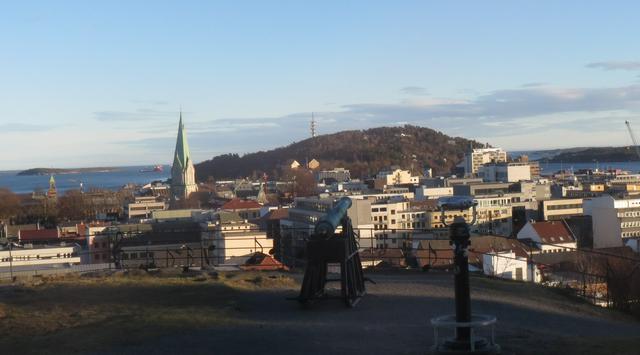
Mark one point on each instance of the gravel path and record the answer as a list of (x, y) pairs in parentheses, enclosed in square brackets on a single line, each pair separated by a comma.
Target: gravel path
[(393, 318)]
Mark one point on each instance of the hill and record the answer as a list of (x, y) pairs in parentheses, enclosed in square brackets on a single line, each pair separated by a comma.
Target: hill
[(363, 152), (588, 155)]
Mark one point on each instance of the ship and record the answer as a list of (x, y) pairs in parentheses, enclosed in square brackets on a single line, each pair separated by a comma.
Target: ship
[(155, 169)]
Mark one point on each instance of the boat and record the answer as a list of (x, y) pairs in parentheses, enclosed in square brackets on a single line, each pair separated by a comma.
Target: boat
[(155, 169)]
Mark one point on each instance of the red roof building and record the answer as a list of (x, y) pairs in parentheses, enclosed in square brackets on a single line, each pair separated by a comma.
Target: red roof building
[(549, 237), (247, 209), (38, 235)]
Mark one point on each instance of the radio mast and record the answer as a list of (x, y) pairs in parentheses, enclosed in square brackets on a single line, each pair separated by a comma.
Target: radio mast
[(313, 126)]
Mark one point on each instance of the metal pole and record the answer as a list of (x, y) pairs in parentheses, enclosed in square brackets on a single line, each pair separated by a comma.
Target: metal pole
[(10, 261), (460, 236)]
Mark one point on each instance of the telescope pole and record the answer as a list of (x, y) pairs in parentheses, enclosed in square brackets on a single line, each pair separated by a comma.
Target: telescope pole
[(460, 236)]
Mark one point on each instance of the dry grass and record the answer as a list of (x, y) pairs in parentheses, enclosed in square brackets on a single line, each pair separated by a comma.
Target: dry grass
[(108, 312), (85, 313)]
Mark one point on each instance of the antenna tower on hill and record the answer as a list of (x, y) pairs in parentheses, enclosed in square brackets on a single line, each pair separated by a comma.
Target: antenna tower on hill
[(313, 126)]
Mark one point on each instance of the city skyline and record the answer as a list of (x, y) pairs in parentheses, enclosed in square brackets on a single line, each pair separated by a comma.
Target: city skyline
[(94, 85)]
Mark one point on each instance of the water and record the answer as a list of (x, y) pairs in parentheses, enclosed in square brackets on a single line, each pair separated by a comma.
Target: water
[(121, 176), (111, 180)]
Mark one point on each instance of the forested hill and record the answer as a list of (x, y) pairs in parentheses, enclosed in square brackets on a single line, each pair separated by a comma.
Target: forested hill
[(363, 152), (601, 154)]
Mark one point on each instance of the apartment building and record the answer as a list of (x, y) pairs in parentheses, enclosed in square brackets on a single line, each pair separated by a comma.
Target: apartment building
[(557, 209), (143, 206), (334, 175), (484, 188), (228, 235), (616, 221), (427, 193), (478, 157), (394, 177), (389, 223), (505, 172)]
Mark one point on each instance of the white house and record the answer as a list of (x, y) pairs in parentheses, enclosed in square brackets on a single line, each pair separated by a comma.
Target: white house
[(506, 265), (549, 237)]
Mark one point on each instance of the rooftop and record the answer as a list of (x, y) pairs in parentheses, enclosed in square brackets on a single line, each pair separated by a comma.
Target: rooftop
[(240, 204), (553, 232)]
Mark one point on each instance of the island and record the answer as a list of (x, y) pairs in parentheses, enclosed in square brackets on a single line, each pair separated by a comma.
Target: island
[(55, 171)]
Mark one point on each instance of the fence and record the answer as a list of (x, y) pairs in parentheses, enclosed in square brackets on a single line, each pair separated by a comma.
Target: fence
[(601, 277)]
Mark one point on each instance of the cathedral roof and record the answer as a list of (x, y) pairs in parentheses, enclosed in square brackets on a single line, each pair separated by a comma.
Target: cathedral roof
[(182, 156)]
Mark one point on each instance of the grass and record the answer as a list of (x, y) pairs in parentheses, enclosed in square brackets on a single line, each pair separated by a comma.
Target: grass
[(108, 312), (86, 313)]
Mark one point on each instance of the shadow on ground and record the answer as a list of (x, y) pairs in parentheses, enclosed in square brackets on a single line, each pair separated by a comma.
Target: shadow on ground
[(393, 318)]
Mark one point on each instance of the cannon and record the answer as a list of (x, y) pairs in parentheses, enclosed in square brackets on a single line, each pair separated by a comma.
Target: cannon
[(326, 246)]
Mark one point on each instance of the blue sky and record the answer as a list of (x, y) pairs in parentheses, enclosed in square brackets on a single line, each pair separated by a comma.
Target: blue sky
[(86, 84)]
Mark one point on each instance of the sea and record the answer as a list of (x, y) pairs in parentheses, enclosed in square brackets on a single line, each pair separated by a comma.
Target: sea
[(113, 179), (118, 177)]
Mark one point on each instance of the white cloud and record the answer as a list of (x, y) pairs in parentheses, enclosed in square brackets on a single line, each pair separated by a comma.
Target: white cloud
[(616, 65)]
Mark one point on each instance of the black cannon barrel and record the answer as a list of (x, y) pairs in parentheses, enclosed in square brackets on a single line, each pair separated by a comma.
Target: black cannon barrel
[(328, 224)]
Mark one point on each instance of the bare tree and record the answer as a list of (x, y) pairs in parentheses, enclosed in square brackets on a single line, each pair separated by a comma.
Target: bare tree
[(9, 204)]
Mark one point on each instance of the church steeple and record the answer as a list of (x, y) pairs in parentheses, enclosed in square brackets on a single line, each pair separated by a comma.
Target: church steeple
[(182, 155), (52, 193), (183, 181)]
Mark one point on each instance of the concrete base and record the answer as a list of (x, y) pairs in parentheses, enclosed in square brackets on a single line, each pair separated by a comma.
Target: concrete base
[(455, 347)]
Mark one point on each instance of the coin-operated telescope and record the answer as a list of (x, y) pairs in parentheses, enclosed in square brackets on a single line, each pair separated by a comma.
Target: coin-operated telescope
[(464, 342), (326, 246)]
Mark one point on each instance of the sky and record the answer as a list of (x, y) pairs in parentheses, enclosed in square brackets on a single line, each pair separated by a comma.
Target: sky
[(102, 83)]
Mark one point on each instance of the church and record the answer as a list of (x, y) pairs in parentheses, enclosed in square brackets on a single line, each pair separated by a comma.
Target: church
[(183, 175)]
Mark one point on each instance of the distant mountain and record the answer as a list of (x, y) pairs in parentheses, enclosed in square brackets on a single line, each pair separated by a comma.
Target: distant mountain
[(587, 155), (363, 152), (544, 154)]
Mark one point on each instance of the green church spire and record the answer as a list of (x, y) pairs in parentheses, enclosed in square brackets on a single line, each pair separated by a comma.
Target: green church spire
[(182, 155), (183, 176)]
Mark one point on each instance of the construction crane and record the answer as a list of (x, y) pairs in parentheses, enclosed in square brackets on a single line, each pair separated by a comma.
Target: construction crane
[(633, 138)]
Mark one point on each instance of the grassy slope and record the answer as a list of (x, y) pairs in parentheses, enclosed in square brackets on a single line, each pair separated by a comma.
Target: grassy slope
[(85, 314), (109, 313)]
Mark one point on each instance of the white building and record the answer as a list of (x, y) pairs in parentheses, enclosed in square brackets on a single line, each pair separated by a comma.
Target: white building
[(228, 235), (394, 177), (495, 214), (616, 222), (142, 207), (388, 216), (478, 157), (507, 265), (549, 237), (557, 209), (505, 172), (44, 256), (337, 174), (427, 193)]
